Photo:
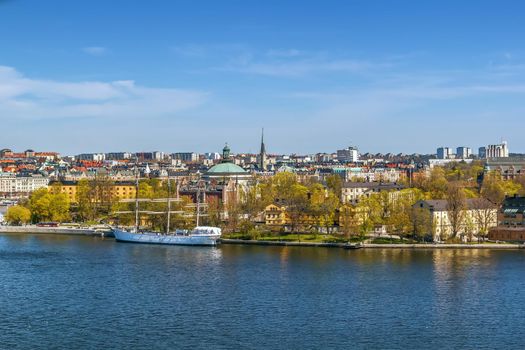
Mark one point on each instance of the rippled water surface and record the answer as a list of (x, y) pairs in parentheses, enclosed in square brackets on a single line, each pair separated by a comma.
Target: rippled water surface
[(90, 293)]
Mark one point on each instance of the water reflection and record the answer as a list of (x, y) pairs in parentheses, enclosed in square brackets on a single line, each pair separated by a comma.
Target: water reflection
[(84, 292)]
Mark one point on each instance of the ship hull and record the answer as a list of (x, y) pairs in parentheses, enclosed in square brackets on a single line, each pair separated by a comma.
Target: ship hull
[(157, 238)]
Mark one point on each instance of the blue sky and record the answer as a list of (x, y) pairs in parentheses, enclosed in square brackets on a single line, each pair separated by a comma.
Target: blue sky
[(387, 76)]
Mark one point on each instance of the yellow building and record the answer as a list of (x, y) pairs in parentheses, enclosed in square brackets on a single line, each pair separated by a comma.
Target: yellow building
[(119, 190), (351, 216), (276, 216)]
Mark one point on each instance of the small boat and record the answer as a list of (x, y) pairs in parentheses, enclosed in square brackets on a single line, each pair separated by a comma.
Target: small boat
[(201, 235), (352, 246)]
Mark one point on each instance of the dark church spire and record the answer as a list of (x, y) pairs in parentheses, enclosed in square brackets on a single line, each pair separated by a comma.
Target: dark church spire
[(262, 154)]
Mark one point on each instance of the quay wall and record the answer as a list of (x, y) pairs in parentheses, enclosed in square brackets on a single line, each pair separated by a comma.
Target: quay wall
[(48, 230)]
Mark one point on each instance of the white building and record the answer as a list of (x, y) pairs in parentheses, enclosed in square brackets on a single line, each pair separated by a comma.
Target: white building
[(15, 185), (186, 157), (348, 155), (354, 192), (497, 151), (444, 153), (477, 216), (118, 155), (95, 157)]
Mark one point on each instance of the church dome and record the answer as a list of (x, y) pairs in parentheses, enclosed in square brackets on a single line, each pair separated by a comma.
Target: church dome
[(226, 169), (226, 166)]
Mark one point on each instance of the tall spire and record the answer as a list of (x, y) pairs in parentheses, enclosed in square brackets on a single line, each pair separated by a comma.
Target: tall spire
[(263, 148), (262, 154)]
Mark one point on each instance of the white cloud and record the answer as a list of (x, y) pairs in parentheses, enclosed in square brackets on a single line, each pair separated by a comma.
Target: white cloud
[(301, 68), (284, 53), (95, 50), (22, 97)]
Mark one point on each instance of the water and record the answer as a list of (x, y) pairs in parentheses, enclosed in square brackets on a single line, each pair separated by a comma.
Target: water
[(65, 292)]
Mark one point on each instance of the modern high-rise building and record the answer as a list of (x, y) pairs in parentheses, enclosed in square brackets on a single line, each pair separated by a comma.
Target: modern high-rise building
[(463, 152), (482, 152), (186, 157), (444, 153), (348, 155), (118, 155), (95, 157)]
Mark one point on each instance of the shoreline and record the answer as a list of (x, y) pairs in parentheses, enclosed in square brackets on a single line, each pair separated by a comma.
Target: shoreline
[(375, 246), (50, 230), (349, 246)]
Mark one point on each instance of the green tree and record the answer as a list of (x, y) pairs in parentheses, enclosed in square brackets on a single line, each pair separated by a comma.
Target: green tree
[(421, 222), (334, 183), (495, 189), (85, 201), (456, 206), (17, 215), (349, 220), (46, 206)]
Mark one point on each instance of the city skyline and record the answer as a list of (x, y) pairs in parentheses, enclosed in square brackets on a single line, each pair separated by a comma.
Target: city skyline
[(438, 150), (191, 76)]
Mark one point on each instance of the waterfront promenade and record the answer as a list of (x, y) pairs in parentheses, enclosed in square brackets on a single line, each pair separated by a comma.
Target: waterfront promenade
[(60, 230)]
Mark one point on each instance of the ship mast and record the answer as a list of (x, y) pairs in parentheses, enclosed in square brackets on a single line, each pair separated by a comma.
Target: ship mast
[(198, 204), (169, 206), (136, 197)]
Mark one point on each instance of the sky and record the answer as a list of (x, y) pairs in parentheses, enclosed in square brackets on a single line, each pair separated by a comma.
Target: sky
[(174, 76)]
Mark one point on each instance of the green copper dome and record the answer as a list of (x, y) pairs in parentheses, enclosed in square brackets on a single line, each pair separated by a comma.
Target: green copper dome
[(226, 168)]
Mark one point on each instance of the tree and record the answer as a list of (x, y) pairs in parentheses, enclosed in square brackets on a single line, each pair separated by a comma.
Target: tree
[(17, 215), (46, 206), (59, 207), (485, 215), (421, 221), (495, 189), (84, 198), (349, 220), (456, 205), (334, 183), (297, 205), (252, 200), (435, 184)]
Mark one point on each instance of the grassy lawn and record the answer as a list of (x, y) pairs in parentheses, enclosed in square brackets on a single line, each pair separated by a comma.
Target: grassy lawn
[(386, 240), (303, 237)]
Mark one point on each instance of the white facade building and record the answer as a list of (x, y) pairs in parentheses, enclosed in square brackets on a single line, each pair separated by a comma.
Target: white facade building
[(12, 185), (477, 216), (444, 153), (348, 155), (95, 157), (497, 151), (186, 157), (353, 192)]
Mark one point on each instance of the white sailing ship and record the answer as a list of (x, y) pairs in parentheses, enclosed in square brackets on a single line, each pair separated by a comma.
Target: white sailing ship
[(200, 235)]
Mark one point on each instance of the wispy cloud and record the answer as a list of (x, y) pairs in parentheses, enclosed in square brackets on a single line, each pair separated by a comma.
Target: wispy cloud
[(282, 62), (298, 68), (95, 50), (27, 98), (284, 53)]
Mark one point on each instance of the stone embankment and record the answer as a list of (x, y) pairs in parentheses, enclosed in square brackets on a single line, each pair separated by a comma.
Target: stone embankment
[(50, 230)]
